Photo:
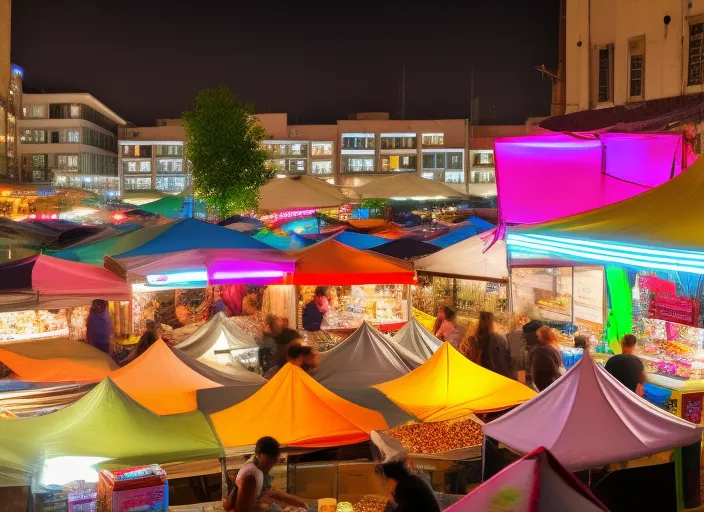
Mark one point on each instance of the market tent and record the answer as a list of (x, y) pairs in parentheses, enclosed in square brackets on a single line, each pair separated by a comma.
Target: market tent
[(359, 240), (216, 335), (366, 358), (449, 386), (475, 227), (95, 426), (187, 234), (535, 483), (417, 339), (43, 282), (229, 375), (290, 242), (299, 192), (469, 260), (331, 262), (570, 417), (159, 381), (56, 360), (167, 206), (666, 216), (297, 411), (579, 172), (94, 253), (406, 186), (406, 248)]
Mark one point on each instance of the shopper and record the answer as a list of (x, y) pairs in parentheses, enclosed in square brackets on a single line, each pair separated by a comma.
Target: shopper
[(99, 326), (274, 326), (314, 311), (545, 359), (626, 367), (521, 360), (411, 492), (250, 303), (249, 483), (490, 349), (581, 342), (311, 360), (449, 329), (284, 341), (150, 336)]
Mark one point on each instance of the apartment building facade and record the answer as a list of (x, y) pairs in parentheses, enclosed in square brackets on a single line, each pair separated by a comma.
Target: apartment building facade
[(152, 158), (10, 98), (69, 141)]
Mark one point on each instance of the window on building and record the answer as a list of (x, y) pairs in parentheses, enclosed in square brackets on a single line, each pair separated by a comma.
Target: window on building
[(321, 167), (433, 160), (55, 137), (394, 163), (129, 166), (34, 161), (398, 141), (322, 148), (169, 166), (67, 162), (483, 176), (34, 112), (73, 136), (138, 183), (433, 139), (455, 160), (166, 150), (75, 111), (484, 159), (636, 68), (29, 136), (454, 177), (358, 141), (171, 183), (695, 66), (603, 74), (145, 167), (296, 149), (350, 164)]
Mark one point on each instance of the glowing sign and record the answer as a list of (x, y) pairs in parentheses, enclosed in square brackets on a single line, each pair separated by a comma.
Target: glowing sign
[(195, 276), (247, 274), (288, 215)]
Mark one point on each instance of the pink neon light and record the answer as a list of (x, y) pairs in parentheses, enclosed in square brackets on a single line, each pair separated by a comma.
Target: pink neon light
[(252, 274), (289, 214)]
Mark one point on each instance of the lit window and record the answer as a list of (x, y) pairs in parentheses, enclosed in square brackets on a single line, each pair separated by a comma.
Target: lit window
[(131, 166), (169, 166), (73, 136), (322, 149), (433, 139), (454, 177), (695, 66), (37, 111), (126, 150), (321, 167), (145, 167), (358, 141), (73, 162), (636, 68), (398, 141), (75, 111), (358, 165), (454, 161), (300, 165)]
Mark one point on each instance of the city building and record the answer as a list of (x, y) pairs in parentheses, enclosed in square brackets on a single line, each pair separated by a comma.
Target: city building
[(152, 158), (69, 140), (10, 98), (647, 56)]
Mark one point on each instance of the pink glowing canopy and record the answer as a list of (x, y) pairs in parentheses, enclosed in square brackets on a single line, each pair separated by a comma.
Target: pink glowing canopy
[(544, 177)]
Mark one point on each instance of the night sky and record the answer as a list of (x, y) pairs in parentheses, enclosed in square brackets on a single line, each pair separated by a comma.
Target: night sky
[(147, 59)]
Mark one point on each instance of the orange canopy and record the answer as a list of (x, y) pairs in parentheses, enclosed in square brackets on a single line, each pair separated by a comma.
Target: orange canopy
[(449, 386), (297, 411), (334, 263), (159, 381), (56, 360)]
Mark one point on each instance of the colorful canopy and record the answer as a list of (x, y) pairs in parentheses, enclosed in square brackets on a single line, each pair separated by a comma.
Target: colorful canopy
[(290, 242), (297, 411), (535, 483), (333, 263), (366, 358), (216, 335), (95, 426), (579, 172), (168, 206), (474, 227), (406, 248), (666, 216), (43, 282), (449, 386), (187, 234), (417, 339), (572, 415), (56, 360), (359, 240), (160, 382), (468, 259), (406, 186), (299, 192)]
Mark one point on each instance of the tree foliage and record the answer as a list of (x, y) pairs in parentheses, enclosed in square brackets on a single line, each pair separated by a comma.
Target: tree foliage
[(225, 149)]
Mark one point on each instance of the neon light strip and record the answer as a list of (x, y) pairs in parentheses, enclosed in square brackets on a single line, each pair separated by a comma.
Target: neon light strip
[(253, 274), (177, 277)]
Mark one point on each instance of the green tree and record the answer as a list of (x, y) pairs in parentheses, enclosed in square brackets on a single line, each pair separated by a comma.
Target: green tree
[(225, 148)]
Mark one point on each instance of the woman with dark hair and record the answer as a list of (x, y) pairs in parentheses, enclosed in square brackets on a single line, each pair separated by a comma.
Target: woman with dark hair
[(545, 359), (449, 330), (411, 493), (148, 338), (99, 326), (490, 349)]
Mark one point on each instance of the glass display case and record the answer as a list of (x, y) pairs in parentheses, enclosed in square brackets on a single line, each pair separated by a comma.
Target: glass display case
[(32, 325)]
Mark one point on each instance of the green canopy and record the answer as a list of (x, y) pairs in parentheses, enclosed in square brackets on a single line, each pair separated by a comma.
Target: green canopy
[(169, 206), (104, 423), (93, 253)]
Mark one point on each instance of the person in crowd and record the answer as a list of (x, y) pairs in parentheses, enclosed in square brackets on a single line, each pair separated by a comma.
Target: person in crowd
[(626, 367), (581, 342), (311, 360), (446, 302), (449, 329), (488, 348), (545, 359), (314, 311), (521, 360), (150, 336), (284, 341), (516, 340), (411, 492), (273, 327), (249, 483), (250, 303), (99, 326), (218, 305), (294, 355)]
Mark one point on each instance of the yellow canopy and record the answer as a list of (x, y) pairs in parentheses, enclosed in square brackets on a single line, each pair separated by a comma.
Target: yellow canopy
[(449, 386), (297, 411), (159, 381)]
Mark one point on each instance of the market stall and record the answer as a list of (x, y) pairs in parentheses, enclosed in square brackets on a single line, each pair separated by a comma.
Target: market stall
[(359, 240), (365, 358), (417, 339), (449, 386), (299, 193), (406, 249), (472, 227)]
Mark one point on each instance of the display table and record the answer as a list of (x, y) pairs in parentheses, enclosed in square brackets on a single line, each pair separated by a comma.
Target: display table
[(213, 506)]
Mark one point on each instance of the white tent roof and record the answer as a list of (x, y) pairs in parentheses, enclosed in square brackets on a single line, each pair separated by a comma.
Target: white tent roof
[(406, 185), (299, 192), (535, 483), (364, 359), (417, 339), (587, 419), (467, 259)]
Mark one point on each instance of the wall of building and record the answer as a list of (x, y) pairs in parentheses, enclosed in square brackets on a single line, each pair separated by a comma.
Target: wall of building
[(5, 36)]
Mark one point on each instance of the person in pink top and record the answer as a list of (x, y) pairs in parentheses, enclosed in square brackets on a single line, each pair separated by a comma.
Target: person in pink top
[(449, 330)]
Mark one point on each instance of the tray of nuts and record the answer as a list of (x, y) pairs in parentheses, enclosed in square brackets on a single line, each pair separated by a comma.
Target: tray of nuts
[(371, 504)]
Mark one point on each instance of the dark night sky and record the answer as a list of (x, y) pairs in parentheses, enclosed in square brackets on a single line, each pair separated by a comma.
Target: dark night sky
[(147, 59)]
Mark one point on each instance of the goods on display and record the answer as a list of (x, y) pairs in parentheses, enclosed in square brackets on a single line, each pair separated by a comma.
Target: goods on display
[(32, 325), (143, 488), (439, 437), (371, 504)]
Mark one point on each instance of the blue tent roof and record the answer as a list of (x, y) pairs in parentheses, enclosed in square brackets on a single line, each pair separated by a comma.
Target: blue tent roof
[(475, 227), (188, 234), (360, 241), (292, 242)]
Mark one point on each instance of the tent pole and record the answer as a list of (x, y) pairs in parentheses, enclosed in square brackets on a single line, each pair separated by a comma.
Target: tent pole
[(483, 456), (679, 478), (223, 475)]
